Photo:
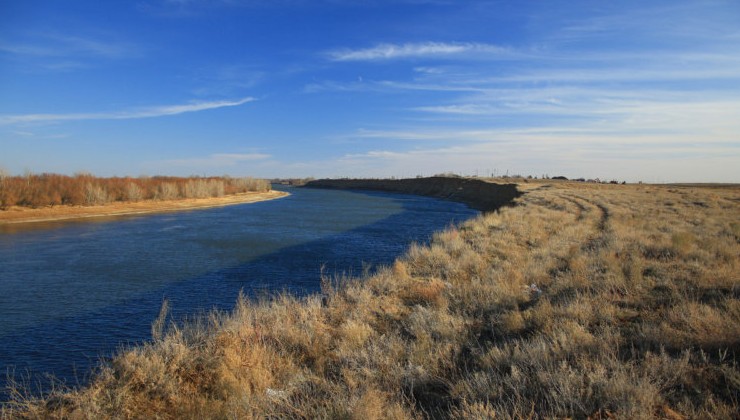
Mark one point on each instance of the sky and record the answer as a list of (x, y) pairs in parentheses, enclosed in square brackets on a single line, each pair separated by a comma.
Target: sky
[(626, 90)]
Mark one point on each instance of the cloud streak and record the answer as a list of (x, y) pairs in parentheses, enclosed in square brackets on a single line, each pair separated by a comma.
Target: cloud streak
[(383, 52), (63, 52), (151, 112)]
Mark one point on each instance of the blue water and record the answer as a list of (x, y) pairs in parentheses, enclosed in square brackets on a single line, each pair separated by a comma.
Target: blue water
[(73, 292)]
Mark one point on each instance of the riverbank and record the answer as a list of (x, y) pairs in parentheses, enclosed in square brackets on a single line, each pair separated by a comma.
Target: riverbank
[(580, 301), (19, 215), (476, 193)]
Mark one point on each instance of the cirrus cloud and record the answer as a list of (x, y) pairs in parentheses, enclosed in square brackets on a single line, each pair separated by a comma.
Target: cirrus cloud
[(150, 112), (414, 50)]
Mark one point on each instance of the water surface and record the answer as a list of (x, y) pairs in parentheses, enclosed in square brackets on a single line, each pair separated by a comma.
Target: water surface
[(71, 292)]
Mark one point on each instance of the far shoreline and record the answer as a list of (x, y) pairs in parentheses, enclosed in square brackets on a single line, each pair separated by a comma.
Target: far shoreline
[(21, 216)]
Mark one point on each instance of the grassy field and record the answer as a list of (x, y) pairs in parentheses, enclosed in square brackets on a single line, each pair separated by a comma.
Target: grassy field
[(600, 301)]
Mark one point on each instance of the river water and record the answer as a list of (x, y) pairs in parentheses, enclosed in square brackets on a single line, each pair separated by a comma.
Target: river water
[(73, 292)]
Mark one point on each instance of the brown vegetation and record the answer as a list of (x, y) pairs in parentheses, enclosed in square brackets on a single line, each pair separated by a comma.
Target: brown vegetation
[(584, 301), (46, 190), (23, 215)]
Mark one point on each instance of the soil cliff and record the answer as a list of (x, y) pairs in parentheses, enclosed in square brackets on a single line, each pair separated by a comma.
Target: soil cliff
[(476, 193)]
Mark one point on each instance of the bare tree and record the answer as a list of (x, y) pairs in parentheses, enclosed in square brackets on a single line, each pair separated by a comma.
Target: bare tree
[(133, 192), (166, 191), (95, 195)]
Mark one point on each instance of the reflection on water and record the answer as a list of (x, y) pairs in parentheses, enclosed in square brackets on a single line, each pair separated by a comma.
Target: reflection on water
[(73, 291)]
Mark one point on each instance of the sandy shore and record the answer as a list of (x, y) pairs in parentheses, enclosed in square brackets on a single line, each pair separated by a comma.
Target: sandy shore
[(17, 215)]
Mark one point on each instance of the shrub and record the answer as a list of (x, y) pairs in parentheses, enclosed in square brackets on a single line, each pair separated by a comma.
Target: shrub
[(95, 195), (33, 190)]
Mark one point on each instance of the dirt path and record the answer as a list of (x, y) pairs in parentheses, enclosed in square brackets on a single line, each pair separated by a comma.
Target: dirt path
[(17, 215)]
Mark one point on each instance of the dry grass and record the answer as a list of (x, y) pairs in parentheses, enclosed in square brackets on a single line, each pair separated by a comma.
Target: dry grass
[(598, 301)]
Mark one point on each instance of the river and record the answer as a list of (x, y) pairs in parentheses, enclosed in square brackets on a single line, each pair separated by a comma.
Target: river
[(73, 292)]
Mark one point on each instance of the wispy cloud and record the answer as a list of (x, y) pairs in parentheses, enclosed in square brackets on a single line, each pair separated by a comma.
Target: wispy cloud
[(461, 109), (387, 86), (640, 74), (152, 112), (619, 120), (61, 52), (333, 86), (23, 133), (415, 50), (564, 104), (689, 21), (645, 157), (188, 8), (226, 80), (62, 45), (426, 135)]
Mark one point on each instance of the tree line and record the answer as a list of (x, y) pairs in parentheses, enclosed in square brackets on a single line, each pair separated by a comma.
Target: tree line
[(42, 190)]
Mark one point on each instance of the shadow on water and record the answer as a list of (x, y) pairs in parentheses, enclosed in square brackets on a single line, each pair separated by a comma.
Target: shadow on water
[(69, 346)]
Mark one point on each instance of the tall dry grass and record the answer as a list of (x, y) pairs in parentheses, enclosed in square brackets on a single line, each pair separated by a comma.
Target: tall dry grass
[(583, 301), (32, 190)]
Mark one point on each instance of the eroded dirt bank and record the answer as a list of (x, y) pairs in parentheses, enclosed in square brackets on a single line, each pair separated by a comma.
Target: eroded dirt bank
[(478, 194)]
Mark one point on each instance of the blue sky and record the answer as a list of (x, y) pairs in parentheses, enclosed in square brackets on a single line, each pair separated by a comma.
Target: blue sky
[(628, 90)]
